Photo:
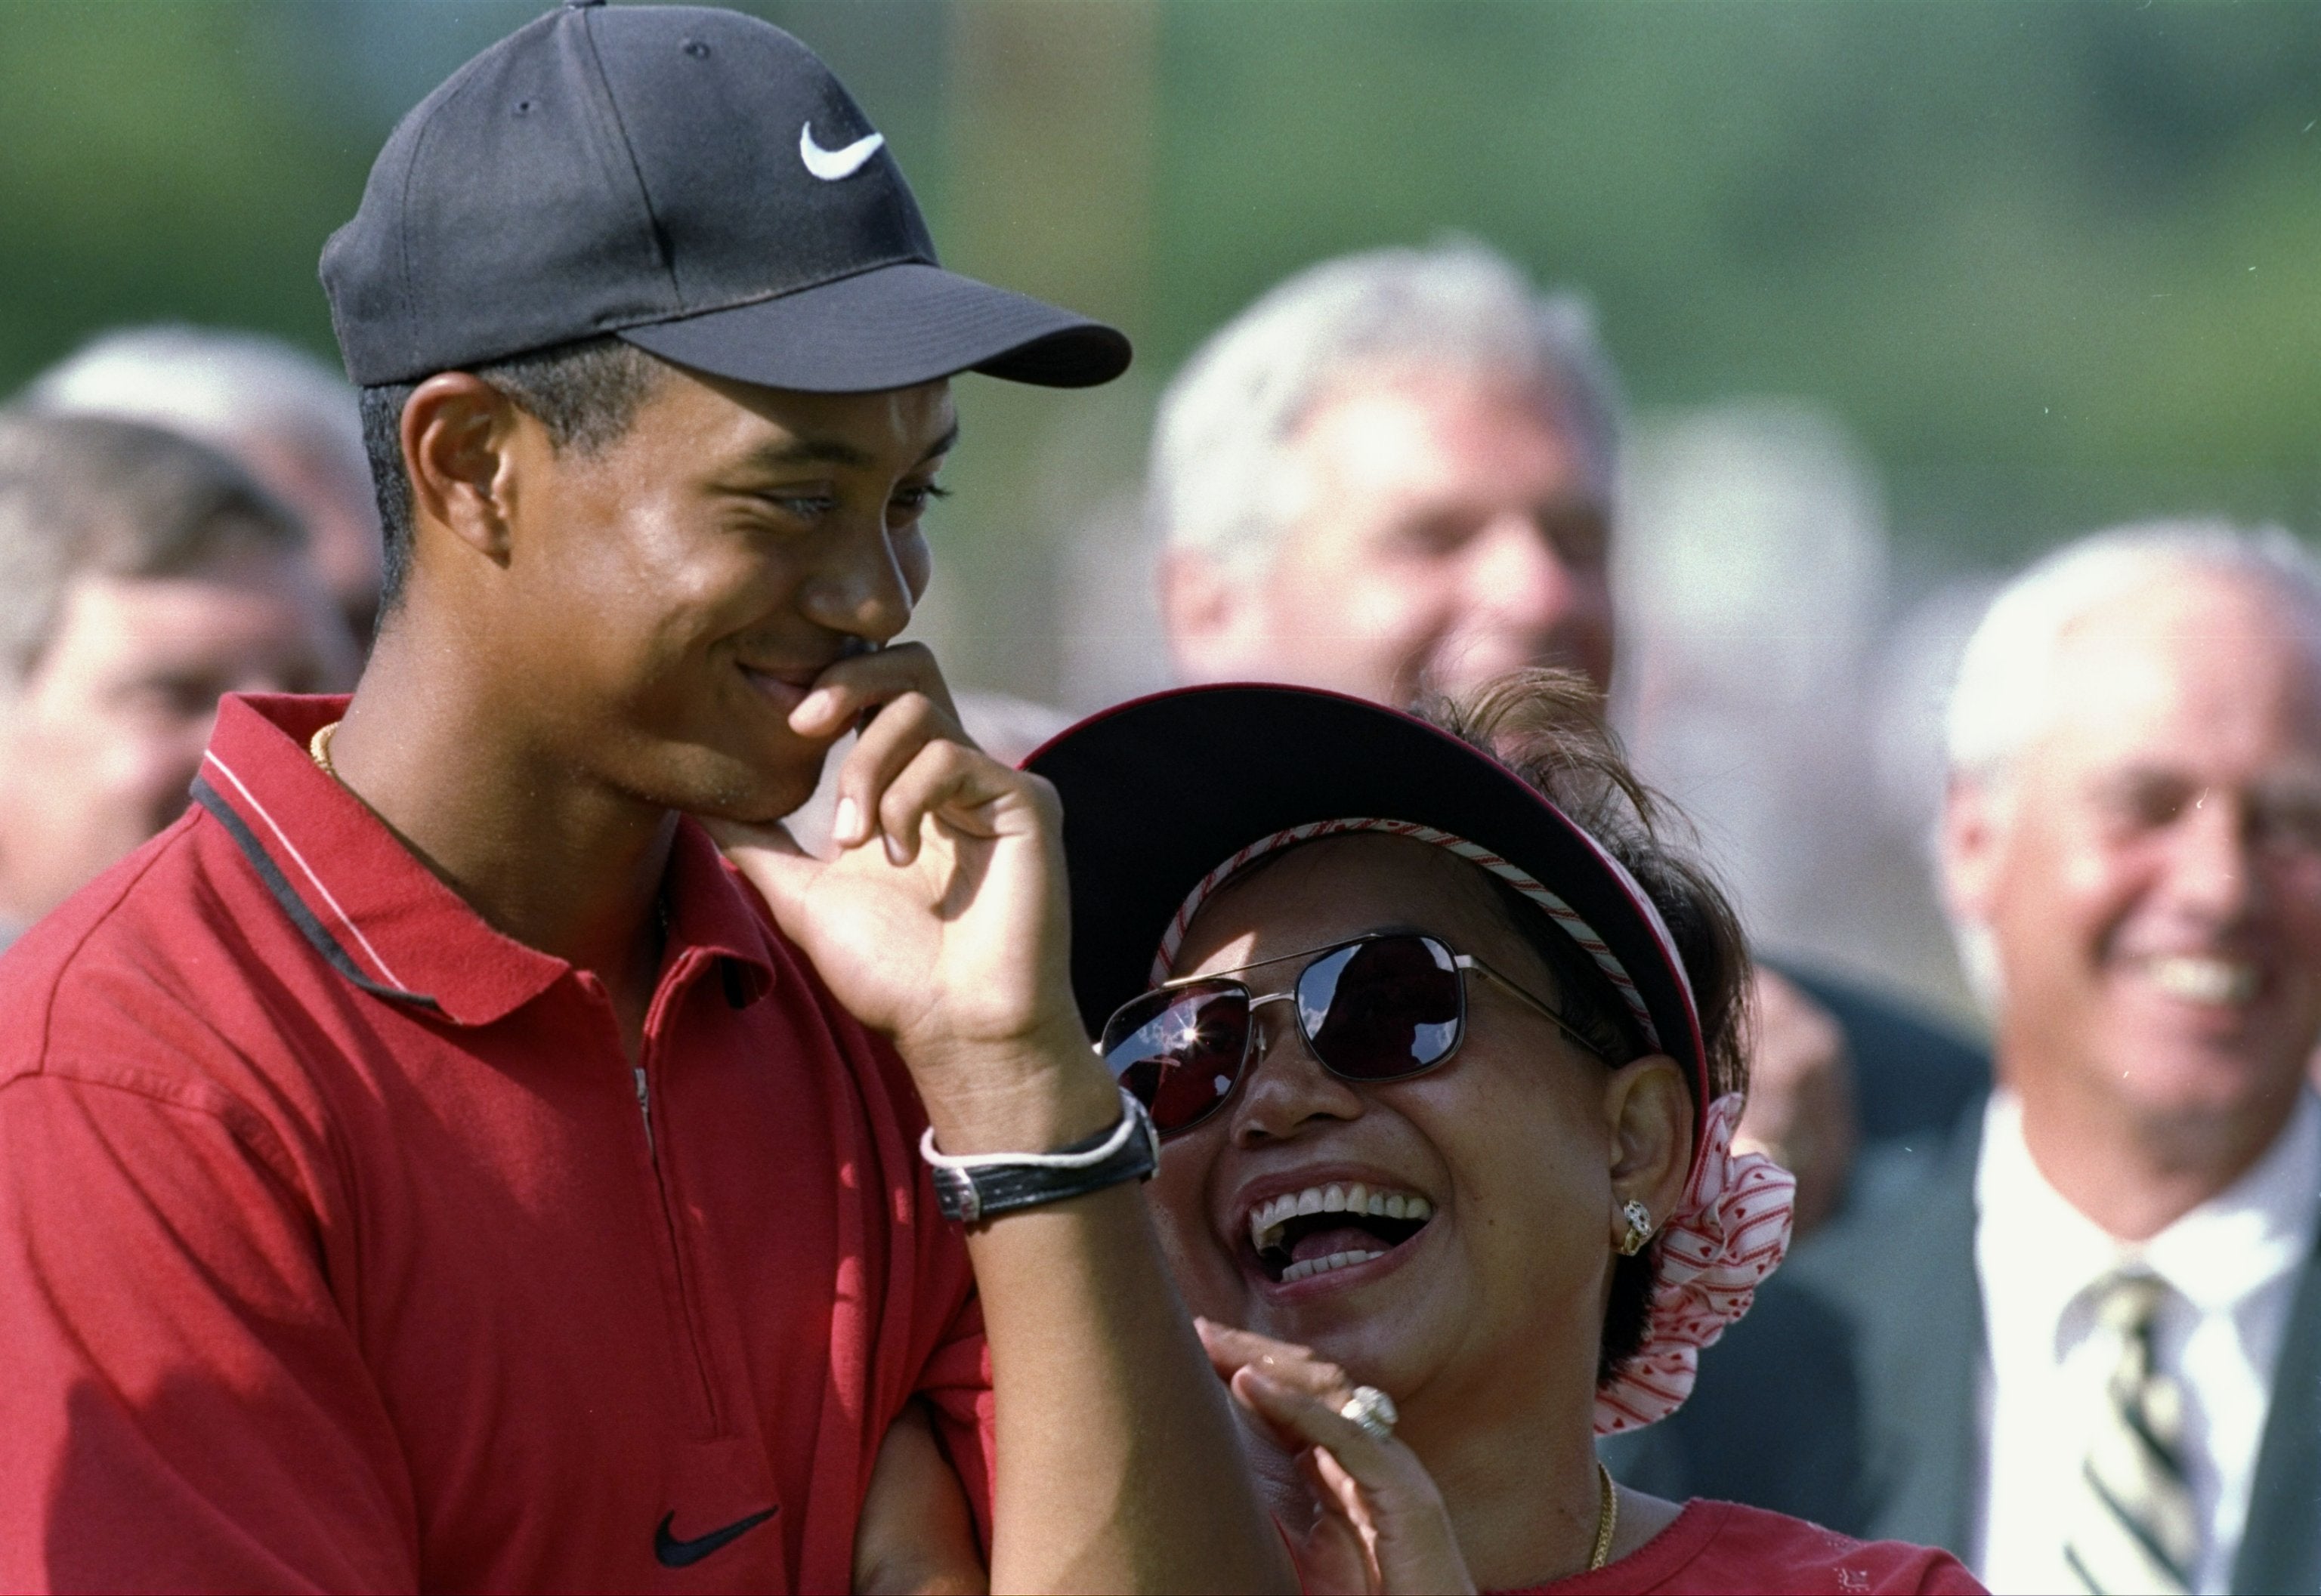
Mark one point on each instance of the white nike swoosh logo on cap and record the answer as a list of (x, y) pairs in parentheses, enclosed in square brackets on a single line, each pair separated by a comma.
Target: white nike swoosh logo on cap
[(832, 165)]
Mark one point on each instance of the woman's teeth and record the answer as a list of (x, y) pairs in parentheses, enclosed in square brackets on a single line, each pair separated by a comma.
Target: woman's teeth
[(1323, 1265), (1265, 1221), (2199, 980)]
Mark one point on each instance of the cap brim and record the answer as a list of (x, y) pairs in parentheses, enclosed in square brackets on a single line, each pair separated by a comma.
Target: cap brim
[(1159, 791), (891, 326)]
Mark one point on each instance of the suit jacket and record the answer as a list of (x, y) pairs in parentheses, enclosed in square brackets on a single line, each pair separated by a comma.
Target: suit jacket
[(1848, 1393), (1912, 1075)]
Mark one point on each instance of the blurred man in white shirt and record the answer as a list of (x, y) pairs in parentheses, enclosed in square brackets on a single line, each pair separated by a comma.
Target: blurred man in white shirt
[(2132, 848), (2079, 1344)]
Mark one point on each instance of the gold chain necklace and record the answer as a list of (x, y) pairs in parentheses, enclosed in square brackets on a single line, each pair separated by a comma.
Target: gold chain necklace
[(1607, 1519), (319, 747)]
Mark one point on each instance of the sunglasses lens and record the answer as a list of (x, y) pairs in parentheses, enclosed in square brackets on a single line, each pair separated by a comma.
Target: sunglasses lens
[(1180, 1050), (1382, 1009)]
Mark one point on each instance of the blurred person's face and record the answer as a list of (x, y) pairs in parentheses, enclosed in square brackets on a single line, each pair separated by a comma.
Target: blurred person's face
[(1449, 531), (2149, 872), (1496, 1302), (653, 612), (101, 741), (342, 518)]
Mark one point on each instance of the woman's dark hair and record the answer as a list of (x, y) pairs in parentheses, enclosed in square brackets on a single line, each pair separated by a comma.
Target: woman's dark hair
[(1548, 727)]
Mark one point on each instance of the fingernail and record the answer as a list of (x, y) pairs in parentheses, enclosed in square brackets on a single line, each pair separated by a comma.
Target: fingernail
[(894, 852), (846, 825), (814, 706)]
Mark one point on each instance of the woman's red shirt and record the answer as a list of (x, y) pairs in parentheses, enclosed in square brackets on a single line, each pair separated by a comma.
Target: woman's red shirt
[(1716, 1547)]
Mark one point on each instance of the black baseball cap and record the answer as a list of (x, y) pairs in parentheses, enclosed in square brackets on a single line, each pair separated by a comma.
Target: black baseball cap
[(1161, 792), (691, 179)]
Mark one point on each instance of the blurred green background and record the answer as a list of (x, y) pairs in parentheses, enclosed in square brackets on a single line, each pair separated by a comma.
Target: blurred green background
[(2052, 262)]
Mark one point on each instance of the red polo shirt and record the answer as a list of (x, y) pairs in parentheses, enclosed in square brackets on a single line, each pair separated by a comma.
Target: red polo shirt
[(341, 1248)]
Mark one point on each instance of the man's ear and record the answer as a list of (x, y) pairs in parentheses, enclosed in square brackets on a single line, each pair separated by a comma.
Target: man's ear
[(1201, 609), (1968, 840), (457, 429), (1649, 1114)]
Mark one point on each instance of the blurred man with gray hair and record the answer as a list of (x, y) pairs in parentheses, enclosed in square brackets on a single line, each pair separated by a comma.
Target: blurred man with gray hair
[(141, 577), (289, 420), (2083, 1348), (1396, 474), (1391, 475)]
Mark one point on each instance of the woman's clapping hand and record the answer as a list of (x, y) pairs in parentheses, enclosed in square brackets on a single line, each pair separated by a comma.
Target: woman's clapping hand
[(1378, 1524)]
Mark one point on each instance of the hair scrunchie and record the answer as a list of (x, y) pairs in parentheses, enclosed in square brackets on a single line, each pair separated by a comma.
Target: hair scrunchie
[(1726, 1235)]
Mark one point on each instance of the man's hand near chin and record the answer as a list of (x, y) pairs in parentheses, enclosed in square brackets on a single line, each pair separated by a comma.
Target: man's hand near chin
[(942, 921)]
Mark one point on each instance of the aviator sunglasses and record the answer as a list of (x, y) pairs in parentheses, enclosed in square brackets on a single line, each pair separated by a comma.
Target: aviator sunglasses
[(1378, 1008)]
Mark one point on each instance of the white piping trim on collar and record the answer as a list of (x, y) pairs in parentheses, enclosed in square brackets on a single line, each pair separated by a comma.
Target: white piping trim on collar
[(308, 870)]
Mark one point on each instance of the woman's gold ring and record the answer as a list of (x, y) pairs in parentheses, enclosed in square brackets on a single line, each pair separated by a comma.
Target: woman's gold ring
[(1373, 1410)]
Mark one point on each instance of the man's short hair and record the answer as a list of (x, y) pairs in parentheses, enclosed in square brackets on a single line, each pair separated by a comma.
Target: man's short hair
[(91, 496), (217, 385), (1454, 307), (2004, 697), (583, 394)]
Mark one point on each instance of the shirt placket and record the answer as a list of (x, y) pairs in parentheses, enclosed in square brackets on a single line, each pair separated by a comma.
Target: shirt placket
[(656, 1148)]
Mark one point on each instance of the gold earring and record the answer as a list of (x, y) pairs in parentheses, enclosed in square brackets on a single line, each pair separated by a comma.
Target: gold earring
[(1640, 1227)]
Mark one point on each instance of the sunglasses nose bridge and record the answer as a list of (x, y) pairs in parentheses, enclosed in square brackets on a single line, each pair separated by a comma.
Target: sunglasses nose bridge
[(1260, 1036), (1267, 1037), (1285, 1087)]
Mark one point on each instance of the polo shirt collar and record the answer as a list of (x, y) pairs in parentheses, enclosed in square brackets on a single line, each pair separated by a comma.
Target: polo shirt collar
[(381, 918), (712, 914)]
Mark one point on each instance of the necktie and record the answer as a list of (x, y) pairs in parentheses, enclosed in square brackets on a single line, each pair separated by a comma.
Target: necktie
[(2134, 1527)]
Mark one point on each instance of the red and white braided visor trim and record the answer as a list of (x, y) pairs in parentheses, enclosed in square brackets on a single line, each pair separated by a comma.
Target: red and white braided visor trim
[(1562, 914), (1730, 1227)]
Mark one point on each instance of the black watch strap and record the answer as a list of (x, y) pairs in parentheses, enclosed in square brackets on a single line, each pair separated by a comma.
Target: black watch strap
[(987, 1189)]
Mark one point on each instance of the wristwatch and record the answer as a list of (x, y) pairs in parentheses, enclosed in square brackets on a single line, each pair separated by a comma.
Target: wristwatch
[(986, 1185)]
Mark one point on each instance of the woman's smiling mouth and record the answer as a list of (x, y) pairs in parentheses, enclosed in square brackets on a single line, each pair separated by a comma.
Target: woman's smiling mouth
[(1322, 1228)]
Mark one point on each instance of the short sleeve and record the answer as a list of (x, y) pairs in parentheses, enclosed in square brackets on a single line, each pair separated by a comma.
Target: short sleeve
[(185, 1406), (957, 1385)]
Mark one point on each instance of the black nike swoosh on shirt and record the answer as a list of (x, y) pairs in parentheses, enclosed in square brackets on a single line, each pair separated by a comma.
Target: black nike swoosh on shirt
[(673, 1552)]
